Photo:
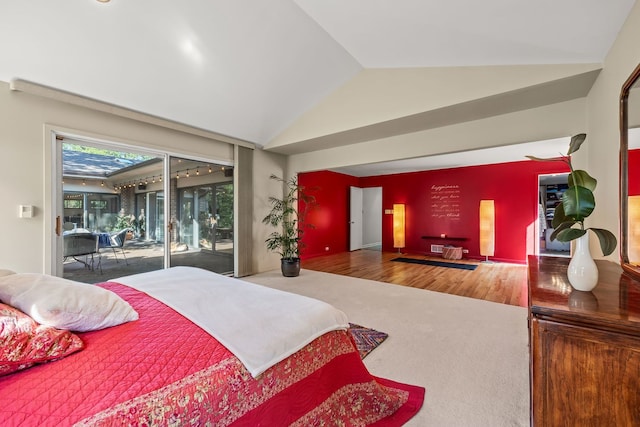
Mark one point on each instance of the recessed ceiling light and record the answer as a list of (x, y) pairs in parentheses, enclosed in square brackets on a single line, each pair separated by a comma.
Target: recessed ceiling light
[(104, 1)]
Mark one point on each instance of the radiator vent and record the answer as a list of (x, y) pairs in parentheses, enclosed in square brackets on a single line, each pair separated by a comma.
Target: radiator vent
[(437, 249)]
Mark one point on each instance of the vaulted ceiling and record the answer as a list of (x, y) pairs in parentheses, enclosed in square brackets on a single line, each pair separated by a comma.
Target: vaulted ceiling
[(250, 68)]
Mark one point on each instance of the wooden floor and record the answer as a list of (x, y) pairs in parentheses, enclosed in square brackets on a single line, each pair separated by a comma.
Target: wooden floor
[(497, 282)]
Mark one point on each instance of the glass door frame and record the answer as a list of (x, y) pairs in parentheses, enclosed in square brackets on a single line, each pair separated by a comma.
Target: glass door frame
[(54, 207), (193, 245)]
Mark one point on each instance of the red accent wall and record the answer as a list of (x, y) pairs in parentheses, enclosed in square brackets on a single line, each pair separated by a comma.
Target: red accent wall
[(633, 168), (331, 216), (437, 202)]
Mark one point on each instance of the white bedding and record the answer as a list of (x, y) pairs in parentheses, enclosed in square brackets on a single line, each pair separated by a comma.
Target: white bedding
[(259, 325)]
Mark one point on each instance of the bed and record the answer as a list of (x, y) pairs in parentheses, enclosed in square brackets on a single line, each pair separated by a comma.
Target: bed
[(166, 364)]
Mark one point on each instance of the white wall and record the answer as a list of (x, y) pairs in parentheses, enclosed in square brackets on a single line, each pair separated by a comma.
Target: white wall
[(265, 164), (23, 118), (603, 134), (536, 124), (380, 95)]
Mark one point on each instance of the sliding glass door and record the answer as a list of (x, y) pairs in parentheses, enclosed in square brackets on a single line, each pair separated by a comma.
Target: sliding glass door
[(118, 196), (201, 215)]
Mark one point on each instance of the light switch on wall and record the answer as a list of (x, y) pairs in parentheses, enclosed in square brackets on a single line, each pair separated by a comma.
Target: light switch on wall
[(25, 211)]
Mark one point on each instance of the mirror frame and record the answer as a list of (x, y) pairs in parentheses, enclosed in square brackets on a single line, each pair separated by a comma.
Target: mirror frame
[(631, 269)]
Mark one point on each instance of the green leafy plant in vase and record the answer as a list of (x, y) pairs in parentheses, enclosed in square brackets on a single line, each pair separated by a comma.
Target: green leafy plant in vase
[(577, 203), (290, 223)]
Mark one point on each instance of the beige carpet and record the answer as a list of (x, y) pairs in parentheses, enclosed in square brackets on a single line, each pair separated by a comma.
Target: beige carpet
[(470, 355)]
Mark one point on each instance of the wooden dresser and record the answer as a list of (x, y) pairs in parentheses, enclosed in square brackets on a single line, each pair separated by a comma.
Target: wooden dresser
[(584, 347)]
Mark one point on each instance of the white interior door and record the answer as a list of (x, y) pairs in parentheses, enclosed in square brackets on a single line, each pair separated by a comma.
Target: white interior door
[(355, 218)]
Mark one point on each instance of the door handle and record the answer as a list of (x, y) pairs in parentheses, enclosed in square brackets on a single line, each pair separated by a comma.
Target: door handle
[(58, 225)]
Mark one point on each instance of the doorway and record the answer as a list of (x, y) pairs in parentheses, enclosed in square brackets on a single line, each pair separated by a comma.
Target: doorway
[(146, 211), (365, 218), (550, 190)]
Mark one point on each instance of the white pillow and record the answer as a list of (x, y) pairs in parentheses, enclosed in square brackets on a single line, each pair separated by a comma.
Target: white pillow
[(65, 304)]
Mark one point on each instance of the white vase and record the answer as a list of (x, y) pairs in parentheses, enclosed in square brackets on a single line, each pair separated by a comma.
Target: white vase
[(582, 272)]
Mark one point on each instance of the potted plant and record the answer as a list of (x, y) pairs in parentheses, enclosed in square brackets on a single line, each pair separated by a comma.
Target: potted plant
[(124, 221), (284, 214), (577, 203)]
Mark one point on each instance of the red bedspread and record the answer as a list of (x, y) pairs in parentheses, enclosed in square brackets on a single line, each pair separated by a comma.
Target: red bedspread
[(164, 370)]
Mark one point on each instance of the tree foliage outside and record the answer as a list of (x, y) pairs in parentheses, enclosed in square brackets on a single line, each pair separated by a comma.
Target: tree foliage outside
[(105, 152), (224, 195)]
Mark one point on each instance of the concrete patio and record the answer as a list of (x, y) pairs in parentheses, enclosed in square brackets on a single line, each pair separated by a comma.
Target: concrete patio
[(143, 256)]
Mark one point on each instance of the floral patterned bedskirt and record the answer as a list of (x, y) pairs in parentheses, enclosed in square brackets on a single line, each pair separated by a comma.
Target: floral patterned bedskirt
[(164, 370)]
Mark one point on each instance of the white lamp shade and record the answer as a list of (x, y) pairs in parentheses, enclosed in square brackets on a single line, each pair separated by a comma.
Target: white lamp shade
[(398, 225), (487, 227), (633, 227)]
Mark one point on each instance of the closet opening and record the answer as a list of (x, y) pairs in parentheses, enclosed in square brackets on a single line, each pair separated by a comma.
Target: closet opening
[(551, 188)]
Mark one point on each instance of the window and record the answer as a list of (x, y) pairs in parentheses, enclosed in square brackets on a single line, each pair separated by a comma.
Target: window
[(99, 204), (73, 204)]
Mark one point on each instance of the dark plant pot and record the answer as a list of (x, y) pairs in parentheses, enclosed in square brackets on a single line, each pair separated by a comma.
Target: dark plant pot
[(290, 267)]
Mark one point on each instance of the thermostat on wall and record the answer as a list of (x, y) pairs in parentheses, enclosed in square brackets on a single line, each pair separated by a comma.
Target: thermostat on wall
[(26, 211)]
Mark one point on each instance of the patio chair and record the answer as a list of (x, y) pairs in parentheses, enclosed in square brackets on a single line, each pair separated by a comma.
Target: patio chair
[(117, 242)]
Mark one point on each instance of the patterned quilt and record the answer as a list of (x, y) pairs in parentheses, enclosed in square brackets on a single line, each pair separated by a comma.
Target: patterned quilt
[(164, 370)]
